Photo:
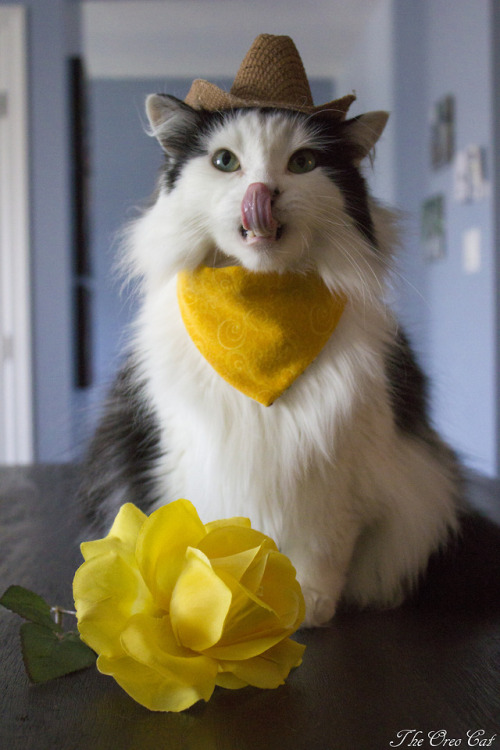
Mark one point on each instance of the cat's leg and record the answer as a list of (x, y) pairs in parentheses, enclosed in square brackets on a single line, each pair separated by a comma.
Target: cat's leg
[(322, 588), (419, 512), (322, 567), (318, 533), (384, 567), (391, 555)]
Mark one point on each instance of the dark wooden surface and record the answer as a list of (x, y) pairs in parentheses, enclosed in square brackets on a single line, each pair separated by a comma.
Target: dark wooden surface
[(431, 665)]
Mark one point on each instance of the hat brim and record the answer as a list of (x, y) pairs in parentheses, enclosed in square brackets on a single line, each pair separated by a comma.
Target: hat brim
[(206, 95)]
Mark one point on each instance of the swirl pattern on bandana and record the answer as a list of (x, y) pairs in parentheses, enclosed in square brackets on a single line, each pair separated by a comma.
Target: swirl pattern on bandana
[(258, 331)]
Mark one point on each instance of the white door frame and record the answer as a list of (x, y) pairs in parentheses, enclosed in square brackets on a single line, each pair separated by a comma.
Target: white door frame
[(16, 383)]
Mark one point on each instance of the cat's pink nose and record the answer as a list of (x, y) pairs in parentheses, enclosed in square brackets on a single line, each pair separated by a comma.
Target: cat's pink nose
[(256, 211)]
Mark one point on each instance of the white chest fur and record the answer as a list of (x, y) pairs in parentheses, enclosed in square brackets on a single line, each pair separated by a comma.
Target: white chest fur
[(231, 455)]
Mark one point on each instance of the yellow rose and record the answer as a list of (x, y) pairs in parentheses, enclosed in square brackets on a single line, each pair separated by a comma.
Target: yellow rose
[(174, 607)]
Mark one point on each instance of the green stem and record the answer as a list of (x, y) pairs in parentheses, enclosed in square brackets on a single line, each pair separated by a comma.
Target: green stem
[(59, 612)]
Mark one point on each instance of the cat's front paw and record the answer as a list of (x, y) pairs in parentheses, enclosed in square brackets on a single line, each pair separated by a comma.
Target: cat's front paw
[(319, 608)]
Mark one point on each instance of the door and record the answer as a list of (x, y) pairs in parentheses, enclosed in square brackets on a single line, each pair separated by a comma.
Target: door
[(16, 413)]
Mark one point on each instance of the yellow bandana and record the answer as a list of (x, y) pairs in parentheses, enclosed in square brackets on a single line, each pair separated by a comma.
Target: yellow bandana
[(259, 331)]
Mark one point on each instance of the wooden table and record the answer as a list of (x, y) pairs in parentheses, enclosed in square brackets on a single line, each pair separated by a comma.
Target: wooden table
[(432, 665)]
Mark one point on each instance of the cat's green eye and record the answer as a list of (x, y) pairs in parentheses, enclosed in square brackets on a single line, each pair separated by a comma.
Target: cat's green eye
[(225, 160), (302, 161)]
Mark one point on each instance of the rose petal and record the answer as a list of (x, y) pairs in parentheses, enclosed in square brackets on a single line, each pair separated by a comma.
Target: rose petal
[(122, 536), (107, 592), (256, 622), (162, 544), (158, 673), (237, 565), (251, 626), (147, 687), (235, 521), (224, 541), (200, 603), (280, 588), (269, 670), (252, 577), (228, 680)]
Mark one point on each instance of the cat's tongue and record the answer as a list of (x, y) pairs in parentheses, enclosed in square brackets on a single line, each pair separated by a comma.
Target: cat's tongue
[(256, 212)]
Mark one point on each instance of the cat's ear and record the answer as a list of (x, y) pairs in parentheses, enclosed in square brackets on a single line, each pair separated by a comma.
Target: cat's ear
[(364, 131), (170, 119)]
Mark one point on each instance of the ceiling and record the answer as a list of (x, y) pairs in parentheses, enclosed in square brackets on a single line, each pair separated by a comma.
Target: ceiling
[(127, 38)]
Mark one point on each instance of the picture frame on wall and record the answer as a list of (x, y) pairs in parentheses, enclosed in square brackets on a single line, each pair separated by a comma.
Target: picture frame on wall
[(433, 228), (442, 132)]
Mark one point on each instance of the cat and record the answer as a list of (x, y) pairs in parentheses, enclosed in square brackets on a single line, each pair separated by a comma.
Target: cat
[(344, 470)]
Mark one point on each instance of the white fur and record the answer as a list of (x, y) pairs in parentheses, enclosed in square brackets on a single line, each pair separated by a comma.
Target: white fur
[(356, 505)]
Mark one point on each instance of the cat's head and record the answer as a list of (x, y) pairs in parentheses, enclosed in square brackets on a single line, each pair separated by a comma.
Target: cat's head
[(270, 189)]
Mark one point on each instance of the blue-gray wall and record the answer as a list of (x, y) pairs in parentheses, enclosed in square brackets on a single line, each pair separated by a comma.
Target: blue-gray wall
[(412, 55), (495, 65), (445, 48), (124, 164)]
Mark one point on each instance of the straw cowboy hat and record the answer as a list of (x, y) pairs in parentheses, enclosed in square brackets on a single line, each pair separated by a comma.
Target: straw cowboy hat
[(271, 75)]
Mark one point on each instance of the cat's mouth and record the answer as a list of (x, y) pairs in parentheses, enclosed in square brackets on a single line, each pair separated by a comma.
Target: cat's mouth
[(253, 235), (258, 223)]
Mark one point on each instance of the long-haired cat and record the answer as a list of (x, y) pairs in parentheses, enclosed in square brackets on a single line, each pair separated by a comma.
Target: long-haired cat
[(343, 470)]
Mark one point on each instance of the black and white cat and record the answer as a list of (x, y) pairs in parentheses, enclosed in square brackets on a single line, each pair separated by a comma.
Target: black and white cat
[(344, 470)]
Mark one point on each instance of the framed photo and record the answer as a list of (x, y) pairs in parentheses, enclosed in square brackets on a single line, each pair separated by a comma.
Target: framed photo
[(433, 229), (442, 132)]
